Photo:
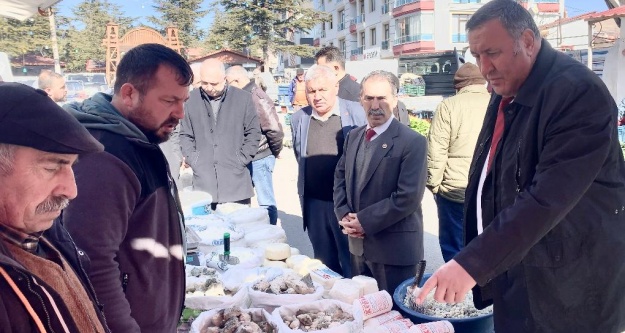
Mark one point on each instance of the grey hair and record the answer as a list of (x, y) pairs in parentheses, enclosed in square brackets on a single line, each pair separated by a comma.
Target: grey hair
[(392, 80), (46, 77), (320, 71), (7, 158), (514, 18)]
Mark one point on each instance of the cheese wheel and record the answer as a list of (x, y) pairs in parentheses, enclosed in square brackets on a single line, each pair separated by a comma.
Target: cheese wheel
[(306, 266), (274, 263), (295, 251), (297, 259), (345, 291), (368, 285), (277, 251)]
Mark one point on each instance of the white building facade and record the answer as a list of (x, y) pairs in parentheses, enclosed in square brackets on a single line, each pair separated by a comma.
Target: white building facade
[(366, 29)]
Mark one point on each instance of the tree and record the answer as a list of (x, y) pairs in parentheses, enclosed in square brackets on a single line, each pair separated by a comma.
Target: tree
[(85, 32), (30, 36), (227, 32), (184, 14), (273, 22)]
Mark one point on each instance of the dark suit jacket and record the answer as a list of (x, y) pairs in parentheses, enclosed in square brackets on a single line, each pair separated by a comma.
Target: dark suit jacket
[(390, 197)]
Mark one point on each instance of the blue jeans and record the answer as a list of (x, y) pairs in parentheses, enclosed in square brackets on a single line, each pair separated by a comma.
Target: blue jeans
[(450, 232), (262, 178)]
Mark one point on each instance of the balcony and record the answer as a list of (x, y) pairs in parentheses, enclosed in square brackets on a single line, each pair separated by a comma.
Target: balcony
[(413, 44), (353, 23), (354, 54), (386, 8), (340, 26), (385, 45), (403, 7), (459, 38)]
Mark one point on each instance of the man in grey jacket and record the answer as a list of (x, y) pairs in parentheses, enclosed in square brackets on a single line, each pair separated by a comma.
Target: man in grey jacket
[(219, 136), (270, 141)]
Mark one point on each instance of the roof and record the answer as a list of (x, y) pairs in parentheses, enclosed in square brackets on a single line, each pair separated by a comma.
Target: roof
[(33, 60), (23, 9), (566, 20), (606, 15), (206, 56)]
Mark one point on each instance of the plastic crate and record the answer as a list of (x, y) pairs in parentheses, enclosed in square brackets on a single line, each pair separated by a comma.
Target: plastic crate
[(283, 89), (414, 90)]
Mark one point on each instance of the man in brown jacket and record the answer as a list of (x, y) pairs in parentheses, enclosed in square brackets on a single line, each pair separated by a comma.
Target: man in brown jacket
[(451, 141), (270, 145)]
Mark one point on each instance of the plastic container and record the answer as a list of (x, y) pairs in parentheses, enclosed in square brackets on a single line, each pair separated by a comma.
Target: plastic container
[(480, 324)]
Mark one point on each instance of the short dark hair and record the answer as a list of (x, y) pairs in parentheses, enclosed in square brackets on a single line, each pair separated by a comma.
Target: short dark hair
[(139, 65), (332, 54), (514, 18)]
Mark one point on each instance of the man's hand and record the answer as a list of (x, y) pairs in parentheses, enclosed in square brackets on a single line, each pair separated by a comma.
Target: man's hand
[(351, 226), (451, 281)]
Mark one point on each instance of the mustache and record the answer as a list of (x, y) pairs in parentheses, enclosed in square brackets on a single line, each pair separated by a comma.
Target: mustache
[(52, 204), (376, 112)]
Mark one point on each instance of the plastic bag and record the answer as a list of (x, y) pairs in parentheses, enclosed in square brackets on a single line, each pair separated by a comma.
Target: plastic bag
[(195, 203), (204, 318), (354, 326), (240, 298), (249, 215), (248, 258), (237, 277)]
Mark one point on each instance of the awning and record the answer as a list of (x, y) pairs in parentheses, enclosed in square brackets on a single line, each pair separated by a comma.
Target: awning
[(24, 9)]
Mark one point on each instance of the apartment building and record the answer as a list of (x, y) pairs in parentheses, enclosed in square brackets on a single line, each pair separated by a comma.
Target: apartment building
[(368, 29)]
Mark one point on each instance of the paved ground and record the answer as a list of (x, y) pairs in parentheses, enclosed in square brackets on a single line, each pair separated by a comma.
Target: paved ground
[(290, 215)]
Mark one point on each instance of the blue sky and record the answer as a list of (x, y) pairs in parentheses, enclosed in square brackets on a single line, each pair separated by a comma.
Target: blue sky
[(143, 8)]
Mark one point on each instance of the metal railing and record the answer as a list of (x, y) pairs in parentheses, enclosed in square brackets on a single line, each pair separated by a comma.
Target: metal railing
[(359, 50), (399, 3), (358, 19), (459, 38), (412, 39), (386, 8)]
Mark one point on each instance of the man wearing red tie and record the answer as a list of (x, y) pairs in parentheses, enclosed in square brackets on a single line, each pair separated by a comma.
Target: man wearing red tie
[(378, 186), (545, 202)]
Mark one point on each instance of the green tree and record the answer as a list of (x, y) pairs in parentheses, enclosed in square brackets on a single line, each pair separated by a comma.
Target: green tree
[(227, 32), (273, 22), (184, 14), (86, 30), (30, 36)]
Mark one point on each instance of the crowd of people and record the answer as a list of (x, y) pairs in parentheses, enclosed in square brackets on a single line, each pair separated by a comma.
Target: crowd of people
[(529, 181)]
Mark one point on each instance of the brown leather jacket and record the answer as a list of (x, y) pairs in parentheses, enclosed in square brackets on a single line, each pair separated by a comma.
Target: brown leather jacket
[(271, 129)]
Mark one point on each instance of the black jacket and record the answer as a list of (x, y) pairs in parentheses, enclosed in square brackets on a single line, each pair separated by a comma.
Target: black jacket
[(551, 256), (13, 315)]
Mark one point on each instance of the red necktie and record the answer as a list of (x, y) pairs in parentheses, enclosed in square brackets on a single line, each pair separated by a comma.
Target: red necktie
[(369, 134), (498, 132)]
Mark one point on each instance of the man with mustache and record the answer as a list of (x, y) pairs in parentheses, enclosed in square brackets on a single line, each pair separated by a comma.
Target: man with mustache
[(220, 136), (378, 186), (319, 131), (43, 282), (128, 217)]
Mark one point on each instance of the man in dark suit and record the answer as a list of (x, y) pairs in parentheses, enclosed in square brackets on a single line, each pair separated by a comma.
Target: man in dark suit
[(378, 186)]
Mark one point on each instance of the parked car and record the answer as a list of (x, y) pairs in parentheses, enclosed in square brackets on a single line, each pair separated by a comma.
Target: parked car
[(75, 91), (92, 82)]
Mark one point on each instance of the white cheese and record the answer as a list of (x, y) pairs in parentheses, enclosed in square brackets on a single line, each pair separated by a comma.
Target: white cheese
[(277, 251)]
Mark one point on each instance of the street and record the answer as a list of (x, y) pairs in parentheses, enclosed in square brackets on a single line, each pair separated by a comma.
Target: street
[(290, 214)]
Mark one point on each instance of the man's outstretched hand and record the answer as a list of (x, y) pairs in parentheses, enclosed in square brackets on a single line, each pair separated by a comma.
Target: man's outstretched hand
[(451, 282)]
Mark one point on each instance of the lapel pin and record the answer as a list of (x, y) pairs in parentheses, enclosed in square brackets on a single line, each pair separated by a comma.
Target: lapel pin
[(384, 146)]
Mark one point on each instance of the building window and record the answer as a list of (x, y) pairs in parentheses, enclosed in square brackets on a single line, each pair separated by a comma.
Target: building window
[(387, 37), (371, 5), (341, 19), (362, 38), (374, 39), (362, 8), (459, 28), (386, 7), (342, 46)]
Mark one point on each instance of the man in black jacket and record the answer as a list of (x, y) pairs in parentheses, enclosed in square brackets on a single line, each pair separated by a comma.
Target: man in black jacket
[(43, 282), (270, 140), (332, 57), (545, 202)]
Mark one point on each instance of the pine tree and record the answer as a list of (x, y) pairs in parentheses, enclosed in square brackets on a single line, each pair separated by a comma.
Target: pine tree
[(273, 22), (86, 30), (30, 36), (184, 14), (226, 32)]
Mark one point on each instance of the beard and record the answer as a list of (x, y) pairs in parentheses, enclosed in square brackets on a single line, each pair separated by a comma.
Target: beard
[(52, 204), (154, 135)]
